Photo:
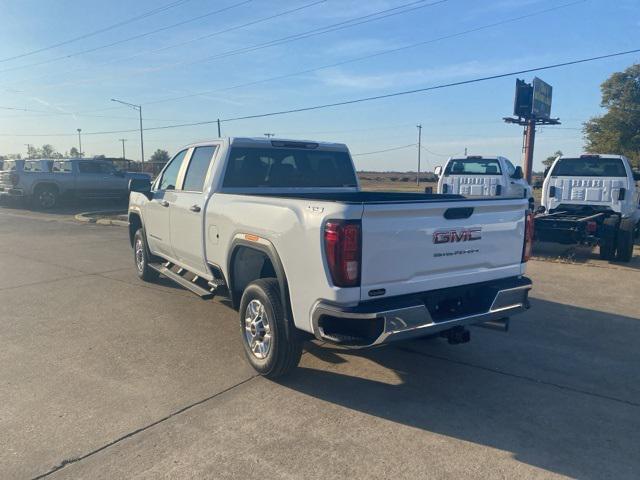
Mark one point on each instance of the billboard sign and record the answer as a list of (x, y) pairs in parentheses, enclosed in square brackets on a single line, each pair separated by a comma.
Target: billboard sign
[(541, 101), (522, 100)]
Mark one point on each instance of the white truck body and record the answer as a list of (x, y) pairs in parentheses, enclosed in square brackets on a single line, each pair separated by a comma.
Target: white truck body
[(477, 176), (597, 183), (239, 224)]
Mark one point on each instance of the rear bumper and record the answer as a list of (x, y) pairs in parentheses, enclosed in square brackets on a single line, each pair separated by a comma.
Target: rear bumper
[(411, 316)]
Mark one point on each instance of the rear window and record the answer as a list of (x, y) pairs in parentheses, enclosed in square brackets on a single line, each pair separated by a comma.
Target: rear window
[(469, 166), (8, 166), (589, 167), (288, 167)]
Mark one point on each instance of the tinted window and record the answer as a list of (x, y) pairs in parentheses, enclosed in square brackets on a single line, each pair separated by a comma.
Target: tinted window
[(95, 167), (473, 166), (287, 167), (62, 167), (36, 166), (170, 174), (589, 167), (198, 167)]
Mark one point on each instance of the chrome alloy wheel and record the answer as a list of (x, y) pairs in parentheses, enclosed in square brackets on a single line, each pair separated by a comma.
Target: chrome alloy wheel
[(257, 330), (139, 252)]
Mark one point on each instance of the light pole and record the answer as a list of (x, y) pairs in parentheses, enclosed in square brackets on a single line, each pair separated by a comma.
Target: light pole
[(123, 140), (139, 109), (28, 145), (269, 135), (79, 142), (419, 148)]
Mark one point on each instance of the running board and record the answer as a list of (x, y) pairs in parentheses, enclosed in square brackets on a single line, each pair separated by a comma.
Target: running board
[(180, 280)]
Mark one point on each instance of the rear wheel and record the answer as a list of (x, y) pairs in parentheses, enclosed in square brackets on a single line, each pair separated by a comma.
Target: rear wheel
[(625, 240), (608, 238), (141, 256), (45, 197), (271, 345)]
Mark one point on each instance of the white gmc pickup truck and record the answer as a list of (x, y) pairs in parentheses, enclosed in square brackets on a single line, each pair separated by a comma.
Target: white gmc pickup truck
[(283, 230)]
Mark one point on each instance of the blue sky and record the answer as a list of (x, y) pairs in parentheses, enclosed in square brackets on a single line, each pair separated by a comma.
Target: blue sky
[(62, 94)]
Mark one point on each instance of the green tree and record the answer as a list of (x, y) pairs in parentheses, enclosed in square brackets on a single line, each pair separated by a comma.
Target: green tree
[(48, 151), (549, 160), (160, 156), (74, 153), (618, 130)]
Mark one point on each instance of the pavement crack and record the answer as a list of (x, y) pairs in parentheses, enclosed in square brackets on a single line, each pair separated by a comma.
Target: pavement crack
[(73, 460), (521, 377)]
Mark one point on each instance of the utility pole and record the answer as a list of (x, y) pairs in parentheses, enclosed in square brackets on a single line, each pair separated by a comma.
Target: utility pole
[(269, 135), (123, 140), (419, 151), (139, 109), (219, 130), (79, 142), (465, 151), (28, 145)]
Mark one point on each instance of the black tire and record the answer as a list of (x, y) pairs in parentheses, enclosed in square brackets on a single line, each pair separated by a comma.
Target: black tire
[(45, 197), (284, 347), (141, 256), (608, 238), (625, 240)]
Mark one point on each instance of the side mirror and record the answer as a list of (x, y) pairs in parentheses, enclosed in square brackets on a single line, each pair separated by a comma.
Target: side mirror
[(636, 175), (438, 170), (140, 185), (518, 175)]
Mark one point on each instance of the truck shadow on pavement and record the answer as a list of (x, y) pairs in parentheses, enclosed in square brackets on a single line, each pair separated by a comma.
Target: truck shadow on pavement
[(560, 392), (581, 254)]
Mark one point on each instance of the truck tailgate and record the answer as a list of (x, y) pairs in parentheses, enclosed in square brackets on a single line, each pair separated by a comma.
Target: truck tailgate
[(416, 247)]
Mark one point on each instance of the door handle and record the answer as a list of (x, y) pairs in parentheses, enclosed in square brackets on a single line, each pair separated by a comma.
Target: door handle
[(164, 203), (194, 208)]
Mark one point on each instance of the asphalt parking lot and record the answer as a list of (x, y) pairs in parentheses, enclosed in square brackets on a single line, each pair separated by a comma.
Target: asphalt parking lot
[(104, 376)]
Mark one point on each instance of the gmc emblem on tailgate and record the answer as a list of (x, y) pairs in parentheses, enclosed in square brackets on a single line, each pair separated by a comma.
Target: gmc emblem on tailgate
[(457, 235)]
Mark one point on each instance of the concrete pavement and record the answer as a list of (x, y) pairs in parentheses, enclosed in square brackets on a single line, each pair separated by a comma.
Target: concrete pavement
[(107, 377)]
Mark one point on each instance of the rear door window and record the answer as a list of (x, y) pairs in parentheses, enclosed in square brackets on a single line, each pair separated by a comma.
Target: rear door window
[(170, 173), (61, 167), (198, 168)]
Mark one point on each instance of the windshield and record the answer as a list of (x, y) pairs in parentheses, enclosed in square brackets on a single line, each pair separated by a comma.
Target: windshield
[(589, 167), (280, 167), (473, 166)]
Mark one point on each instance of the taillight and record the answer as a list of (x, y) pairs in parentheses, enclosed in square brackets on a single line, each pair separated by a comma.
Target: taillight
[(15, 178), (528, 237), (342, 246), (592, 227)]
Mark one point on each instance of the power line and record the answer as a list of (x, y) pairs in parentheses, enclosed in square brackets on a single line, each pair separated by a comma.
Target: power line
[(386, 150), (366, 57), (101, 30), (378, 15), (366, 99), (128, 39)]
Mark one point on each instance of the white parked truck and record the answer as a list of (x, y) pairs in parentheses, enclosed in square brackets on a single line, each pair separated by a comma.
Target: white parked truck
[(591, 199), (477, 176), (283, 230)]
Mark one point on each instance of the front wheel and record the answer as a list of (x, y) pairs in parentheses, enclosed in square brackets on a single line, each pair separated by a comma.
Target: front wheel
[(272, 346), (141, 257)]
